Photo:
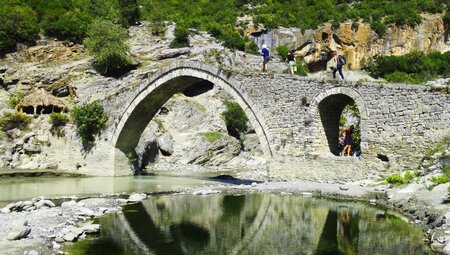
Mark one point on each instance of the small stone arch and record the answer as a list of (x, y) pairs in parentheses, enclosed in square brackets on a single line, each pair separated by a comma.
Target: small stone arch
[(325, 110), (149, 98)]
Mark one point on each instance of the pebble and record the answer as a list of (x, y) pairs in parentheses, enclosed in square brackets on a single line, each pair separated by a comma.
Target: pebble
[(373, 201), (342, 187)]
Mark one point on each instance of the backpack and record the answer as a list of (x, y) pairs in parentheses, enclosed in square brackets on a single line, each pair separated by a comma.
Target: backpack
[(341, 60)]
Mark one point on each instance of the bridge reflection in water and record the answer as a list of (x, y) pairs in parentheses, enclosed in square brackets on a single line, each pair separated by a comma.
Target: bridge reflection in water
[(252, 224)]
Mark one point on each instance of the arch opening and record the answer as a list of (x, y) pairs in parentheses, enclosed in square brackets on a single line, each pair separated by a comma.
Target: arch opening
[(151, 102), (338, 112)]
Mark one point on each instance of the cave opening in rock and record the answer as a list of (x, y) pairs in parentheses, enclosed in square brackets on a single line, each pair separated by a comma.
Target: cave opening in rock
[(336, 113)]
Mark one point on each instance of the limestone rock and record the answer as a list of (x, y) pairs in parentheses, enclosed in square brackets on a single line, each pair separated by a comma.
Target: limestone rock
[(165, 144), (29, 165), (49, 165), (14, 133), (19, 230), (172, 53), (44, 203), (68, 204), (91, 228), (31, 148), (137, 197)]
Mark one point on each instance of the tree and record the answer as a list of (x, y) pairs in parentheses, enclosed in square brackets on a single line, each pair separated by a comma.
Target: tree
[(106, 41), (18, 23), (90, 119), (129, 11)]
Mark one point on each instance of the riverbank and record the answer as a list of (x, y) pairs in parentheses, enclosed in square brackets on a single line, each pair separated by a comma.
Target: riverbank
[(54, 223)]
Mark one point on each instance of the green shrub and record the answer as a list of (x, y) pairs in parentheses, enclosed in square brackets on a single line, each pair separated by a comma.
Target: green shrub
[(401, 77), (414, 67), (11, 120), (251, 47), (235, 117), (181, 37), (302, 70), (282, 51), (14, 99), (211, 136), (106, 41), (158, 29), (58, 119), (90, 119), (440, 179), (440, 146), (395, 179)]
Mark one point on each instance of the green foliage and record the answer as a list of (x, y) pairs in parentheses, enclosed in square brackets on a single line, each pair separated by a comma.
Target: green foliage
[(251, 47), (211, 136), (440, 146), (11, 120), (58, 119), (398, 179), (235, 117), (301, 67), (106, 41), (158, 29), (129, 11), (14, 99), (181, 37), (131, 157), (415, 67), (440, 179), (18, 24), (160, 124), (90, 119), (282, 51)]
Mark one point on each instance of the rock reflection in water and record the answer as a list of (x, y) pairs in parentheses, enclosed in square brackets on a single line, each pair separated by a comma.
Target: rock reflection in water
[(253, 224)]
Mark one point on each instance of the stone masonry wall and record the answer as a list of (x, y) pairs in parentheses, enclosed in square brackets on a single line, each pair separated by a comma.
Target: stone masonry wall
[(397, 121)]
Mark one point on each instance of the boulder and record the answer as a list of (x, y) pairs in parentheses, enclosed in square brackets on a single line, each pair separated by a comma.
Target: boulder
[(14, 133), (27, 136), (147, 149), (44, 203), (137, 197), (29, 165), (172, 53), (49, 165), (91, 228), (19, 230), (165, 144), (83, 211), (31, 148), (69, 204), (32, 252)]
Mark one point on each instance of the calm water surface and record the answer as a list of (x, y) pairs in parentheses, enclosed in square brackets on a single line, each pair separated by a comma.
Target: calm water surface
[(21, 188), (251, 224)]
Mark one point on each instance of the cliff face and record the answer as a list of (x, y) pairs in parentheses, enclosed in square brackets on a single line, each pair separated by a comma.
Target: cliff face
[(358, 42)]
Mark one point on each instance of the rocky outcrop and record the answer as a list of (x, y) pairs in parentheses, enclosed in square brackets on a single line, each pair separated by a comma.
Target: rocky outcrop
[(357, 41)]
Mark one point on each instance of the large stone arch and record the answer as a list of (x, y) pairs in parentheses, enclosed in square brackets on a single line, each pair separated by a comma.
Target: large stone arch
[(325, 109), (149, 98)]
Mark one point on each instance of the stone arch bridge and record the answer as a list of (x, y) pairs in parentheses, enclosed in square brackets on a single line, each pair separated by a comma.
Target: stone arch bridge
[(295, 118)]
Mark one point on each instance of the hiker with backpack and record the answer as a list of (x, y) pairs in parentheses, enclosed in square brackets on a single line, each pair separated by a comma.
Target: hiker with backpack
[(338, 62), (266, 56)]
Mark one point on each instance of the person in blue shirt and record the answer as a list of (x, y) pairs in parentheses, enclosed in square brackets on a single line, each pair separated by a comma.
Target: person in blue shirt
[(266, 56)]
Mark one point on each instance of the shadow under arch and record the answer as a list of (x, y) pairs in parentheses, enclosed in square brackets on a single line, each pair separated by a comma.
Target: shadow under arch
[(326, 109), (152, 96)]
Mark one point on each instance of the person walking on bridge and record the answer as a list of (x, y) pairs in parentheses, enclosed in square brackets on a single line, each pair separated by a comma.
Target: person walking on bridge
[(336, 64), (266, 56)]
